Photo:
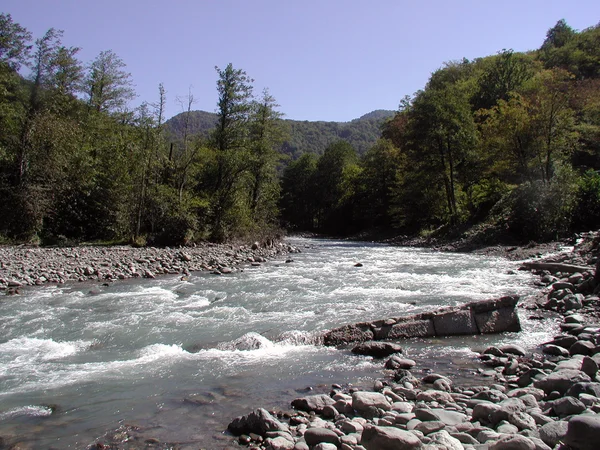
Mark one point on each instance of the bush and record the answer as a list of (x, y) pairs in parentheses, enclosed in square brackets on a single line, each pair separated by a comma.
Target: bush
[(542, 211), (586, 215)]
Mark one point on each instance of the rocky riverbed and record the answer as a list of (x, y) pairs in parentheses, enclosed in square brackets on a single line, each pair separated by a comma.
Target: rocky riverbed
[(548, 399), (27, 266)]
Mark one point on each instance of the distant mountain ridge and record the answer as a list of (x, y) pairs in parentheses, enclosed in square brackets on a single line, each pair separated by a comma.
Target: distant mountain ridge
[(304, 136)]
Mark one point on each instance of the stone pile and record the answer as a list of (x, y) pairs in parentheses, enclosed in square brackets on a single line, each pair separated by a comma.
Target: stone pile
[(529, 402), (26, 266)]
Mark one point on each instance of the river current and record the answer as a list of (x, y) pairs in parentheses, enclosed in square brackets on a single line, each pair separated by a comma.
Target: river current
[(181, 358)]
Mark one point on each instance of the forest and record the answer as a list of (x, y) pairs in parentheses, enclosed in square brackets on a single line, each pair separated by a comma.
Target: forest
[(508, 142)]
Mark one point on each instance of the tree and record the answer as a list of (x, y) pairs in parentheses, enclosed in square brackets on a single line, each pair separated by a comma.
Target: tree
[(298, 193), (14, 39), (558, 36), (380, 166), (232, 150), (504, 74), (108, 85), (266, 135), (335, 177)]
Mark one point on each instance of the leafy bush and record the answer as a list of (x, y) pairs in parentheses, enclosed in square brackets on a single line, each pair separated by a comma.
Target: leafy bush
[(542, 210), (586, 215)]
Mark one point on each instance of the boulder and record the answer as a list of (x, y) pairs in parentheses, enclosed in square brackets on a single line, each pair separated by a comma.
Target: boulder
[(347, 334), (513, 442), (412, 328), (444, 440), (314, 403), (377, 349), (259, 422), (582, 348), (566, 406), (455, 323), (444, 416), (389, 438), (561, 380), (513, 349), (314, 436), (553, 432), (555, 350), (367, 403), (584, 388), (583, 432), (396, 362)]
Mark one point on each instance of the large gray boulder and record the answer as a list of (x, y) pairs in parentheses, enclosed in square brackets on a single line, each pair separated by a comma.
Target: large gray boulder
[(561, 380), (389, 438), (554, 432), (455, 323), (583, 432), (258, 422), (368, 403)]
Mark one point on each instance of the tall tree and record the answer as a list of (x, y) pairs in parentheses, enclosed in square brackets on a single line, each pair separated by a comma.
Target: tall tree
[(234, 88), (108, 85), (266, 135)]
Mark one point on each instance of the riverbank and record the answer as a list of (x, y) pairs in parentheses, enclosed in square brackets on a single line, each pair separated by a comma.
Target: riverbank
[(542, 400), (30, 266)]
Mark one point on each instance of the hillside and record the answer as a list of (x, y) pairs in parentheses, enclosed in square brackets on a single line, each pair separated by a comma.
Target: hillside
[(304, 136)]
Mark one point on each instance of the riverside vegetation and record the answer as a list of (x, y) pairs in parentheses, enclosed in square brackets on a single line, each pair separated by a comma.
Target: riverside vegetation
[(506, 143)]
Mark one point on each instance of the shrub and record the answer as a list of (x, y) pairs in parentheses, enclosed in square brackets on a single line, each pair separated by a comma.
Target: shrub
[(586, 215)]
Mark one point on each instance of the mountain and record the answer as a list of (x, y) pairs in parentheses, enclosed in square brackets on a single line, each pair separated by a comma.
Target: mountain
[(304, 136)]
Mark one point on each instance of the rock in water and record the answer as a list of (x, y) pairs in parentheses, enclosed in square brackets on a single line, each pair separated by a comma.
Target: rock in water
[(377, 349)]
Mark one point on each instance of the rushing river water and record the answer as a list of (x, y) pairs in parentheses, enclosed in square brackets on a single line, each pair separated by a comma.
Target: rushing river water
[(180, 359)]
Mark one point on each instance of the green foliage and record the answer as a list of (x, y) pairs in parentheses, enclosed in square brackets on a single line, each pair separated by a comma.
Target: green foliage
[(298, 202), (302, 136), (586, 215), (543, 210)]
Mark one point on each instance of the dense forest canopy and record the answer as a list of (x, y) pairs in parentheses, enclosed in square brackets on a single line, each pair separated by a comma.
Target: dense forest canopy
[(509, 141)]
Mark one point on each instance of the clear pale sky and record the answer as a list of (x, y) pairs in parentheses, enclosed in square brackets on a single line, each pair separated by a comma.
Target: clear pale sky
[(321, 59)]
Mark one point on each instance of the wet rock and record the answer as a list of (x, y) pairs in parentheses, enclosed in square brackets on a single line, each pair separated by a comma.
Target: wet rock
[(347, 334), (397, 362), (555, 350), (513, 349), (377, 349), (389, 438)]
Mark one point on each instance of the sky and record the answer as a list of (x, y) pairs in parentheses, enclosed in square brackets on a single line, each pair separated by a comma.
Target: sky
[(328, 60)]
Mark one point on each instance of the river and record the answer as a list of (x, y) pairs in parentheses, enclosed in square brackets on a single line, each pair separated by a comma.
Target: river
[(180, 358)]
